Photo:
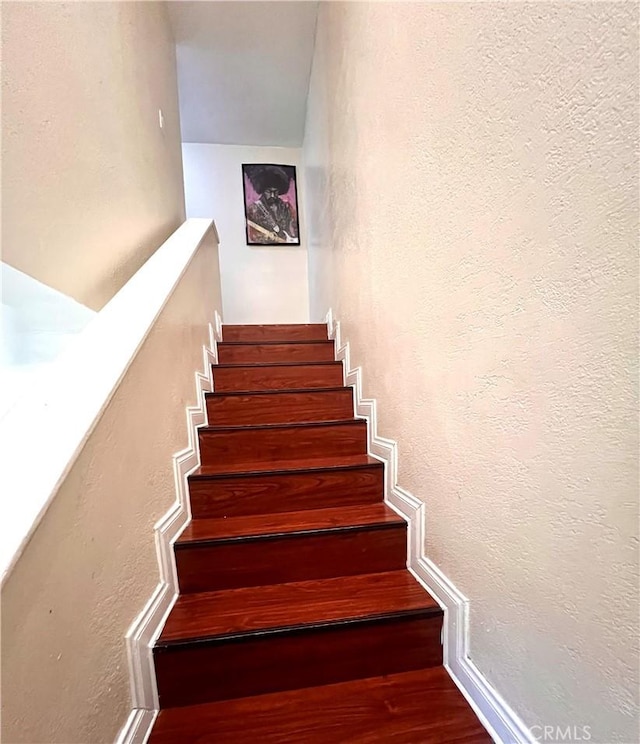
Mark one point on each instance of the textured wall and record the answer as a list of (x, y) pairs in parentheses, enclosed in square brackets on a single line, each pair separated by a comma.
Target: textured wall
[(91, 565), (260, 284), (472, 181), (90, 183)]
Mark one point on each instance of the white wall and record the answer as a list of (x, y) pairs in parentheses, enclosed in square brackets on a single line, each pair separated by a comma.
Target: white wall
[(473, 204), (90, 564), (37, 323), (37, 319), (260, 284), (236, 86), (91, 185)]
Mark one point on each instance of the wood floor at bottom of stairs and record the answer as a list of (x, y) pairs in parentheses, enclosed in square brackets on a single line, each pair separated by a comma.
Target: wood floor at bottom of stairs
[(420, 707)]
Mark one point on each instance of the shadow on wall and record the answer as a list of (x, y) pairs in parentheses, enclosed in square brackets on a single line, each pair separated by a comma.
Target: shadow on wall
[(38, 323)]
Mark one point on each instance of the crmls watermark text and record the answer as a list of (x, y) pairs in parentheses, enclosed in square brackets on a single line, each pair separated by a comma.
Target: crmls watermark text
[(561, 733)]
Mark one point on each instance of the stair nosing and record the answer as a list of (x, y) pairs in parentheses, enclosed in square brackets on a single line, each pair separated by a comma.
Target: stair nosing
[(273, 325), (355, 421), (275, 364), (279, 471), (269, 536), (298, 628), (222, 393), (275, 343)]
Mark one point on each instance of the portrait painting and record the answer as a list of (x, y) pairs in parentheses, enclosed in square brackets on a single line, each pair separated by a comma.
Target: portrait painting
[(271, 204)]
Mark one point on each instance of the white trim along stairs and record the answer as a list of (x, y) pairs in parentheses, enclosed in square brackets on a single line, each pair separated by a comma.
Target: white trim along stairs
[(500, 720), (146, 628)]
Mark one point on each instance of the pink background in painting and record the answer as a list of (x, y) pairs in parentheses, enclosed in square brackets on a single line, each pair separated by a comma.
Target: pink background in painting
[(252, 195)]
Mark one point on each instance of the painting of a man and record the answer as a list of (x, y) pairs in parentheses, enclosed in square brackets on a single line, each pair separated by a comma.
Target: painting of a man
[(271, 204)]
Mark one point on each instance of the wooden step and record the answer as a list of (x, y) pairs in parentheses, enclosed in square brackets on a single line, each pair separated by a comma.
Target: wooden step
[(297, 620), (241, 352), (250, 641), (248, 378), (213, 554), (281, 332), (421, 707), (228, 445), (245, 612), (279, 407), (286, 487)]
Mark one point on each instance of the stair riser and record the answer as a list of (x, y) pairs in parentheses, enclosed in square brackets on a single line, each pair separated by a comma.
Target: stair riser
[(322, 351), (284, 377), (199, 673), (257, 333), (419, 707), (279, 408), (281, 560), (284, 492), (221, 449)]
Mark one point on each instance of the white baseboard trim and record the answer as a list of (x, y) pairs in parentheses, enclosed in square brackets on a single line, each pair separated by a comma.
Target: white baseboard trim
[(502, 723), (146, 628), (137, 727)]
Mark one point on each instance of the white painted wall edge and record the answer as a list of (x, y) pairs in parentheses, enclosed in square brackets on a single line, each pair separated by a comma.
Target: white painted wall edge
[(37, 323), (35, 318), (69, 397), (502, 723), (146, 628), (138, 726)]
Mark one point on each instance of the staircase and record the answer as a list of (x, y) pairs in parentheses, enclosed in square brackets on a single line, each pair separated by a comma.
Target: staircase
[(297, 620)]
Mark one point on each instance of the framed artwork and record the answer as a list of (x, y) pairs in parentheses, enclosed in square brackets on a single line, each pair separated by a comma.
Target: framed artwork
[(271, 204)]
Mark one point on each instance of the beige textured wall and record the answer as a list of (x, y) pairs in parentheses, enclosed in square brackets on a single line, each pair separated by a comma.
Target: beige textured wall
[(91, 565), (472, 182), (91, 185)]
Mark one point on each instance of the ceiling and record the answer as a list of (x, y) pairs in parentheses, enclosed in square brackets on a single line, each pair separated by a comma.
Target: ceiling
[(243, 70)]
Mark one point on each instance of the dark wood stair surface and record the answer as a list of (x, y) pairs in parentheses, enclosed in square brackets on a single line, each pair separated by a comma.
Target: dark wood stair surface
[(285, 486), (309, 521), (419, 707), (279, 406), (228, 445), (248, 611), (281, 332), (242, 352), (283, 547), (297, 620), (291, 465), (277, 376)]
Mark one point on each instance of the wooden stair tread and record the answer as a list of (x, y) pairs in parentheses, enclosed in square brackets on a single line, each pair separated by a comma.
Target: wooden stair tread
[(277, 375), (251, 352), (247, 611), (279, 406), (297, 619), (289, 523), (275, 332), (278, 466), (353, 421), (262, 342), (416, 707), (240, 365), (227, 446), (285, 391)]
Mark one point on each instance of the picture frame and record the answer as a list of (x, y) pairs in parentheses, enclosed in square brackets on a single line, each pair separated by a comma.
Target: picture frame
[(271, 204)]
